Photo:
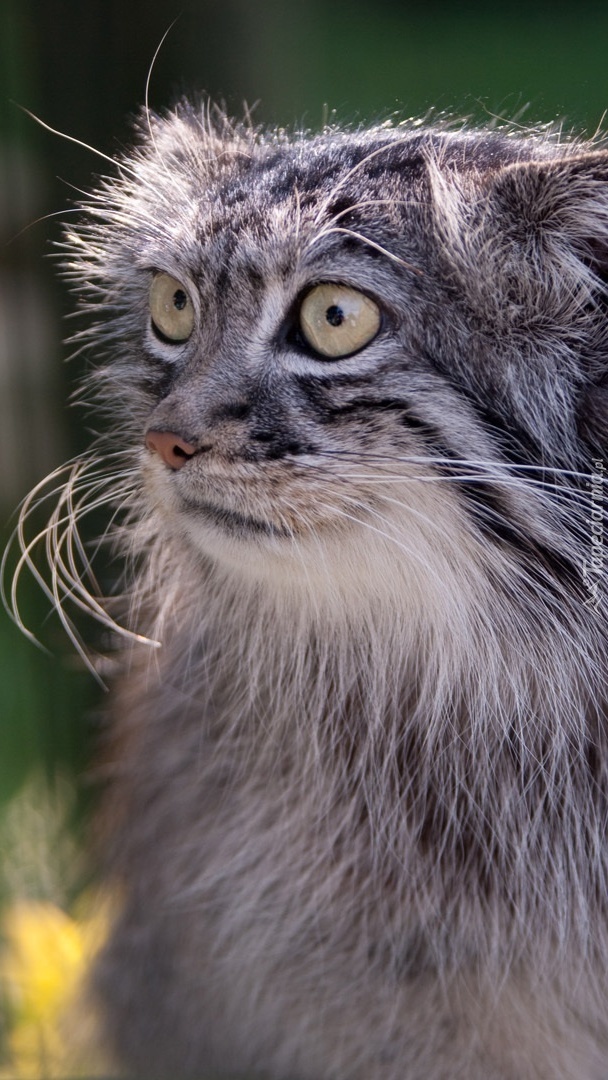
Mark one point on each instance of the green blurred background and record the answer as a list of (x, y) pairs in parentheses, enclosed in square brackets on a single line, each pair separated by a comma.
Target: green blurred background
[(82, 68)]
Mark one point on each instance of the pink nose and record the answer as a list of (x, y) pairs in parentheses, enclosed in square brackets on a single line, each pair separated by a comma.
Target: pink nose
[(174, 451)]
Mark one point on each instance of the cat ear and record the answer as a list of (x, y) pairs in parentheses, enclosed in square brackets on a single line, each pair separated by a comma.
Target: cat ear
[(557, 209), (526, 246), (527, 237), (559, 213), (531, 234)]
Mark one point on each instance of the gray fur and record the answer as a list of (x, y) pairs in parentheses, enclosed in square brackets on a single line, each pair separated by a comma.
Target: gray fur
[(358, 801)]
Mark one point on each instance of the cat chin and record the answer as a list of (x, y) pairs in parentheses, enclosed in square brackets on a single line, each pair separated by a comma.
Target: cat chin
[(330, 571), (403, 564)]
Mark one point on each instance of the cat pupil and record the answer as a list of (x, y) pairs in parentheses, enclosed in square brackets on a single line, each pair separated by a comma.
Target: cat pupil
[(334, 315), (180, 299)]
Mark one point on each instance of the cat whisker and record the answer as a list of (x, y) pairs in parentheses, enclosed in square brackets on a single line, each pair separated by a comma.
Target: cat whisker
[(38, 220), (117, 496), (337, 229), (569, 496), (347, 177), (79, 495), (78, 142), (407, 459), (102, 214), (147, 87), (364, 204)]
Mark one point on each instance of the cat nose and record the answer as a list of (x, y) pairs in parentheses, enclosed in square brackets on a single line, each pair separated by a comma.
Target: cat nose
[(174, 451)]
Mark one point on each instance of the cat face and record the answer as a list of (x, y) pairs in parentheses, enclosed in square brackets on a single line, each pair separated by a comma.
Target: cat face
[(347, 350)]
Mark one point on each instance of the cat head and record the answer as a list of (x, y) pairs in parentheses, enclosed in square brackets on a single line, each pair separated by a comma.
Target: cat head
[(379, 357)]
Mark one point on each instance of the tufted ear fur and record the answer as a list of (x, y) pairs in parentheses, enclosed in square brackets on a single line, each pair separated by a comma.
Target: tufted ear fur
[(554, 214), (558, 212), (564, 207), (528, 246), (530, 238)]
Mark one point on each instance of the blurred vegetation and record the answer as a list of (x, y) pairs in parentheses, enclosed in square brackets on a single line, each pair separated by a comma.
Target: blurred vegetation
[(82, 68)]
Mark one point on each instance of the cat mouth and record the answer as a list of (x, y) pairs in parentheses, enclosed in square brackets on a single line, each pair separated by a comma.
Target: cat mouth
[(238, 524)]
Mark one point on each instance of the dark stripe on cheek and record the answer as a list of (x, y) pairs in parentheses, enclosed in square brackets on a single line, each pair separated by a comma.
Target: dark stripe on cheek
[(486, 508), (365, 407)]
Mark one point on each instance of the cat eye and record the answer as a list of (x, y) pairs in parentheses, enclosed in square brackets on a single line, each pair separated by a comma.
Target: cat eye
[(170, 309), (337, 320)]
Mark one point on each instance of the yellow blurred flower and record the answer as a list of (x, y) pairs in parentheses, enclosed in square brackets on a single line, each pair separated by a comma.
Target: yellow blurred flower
[(45, 955)]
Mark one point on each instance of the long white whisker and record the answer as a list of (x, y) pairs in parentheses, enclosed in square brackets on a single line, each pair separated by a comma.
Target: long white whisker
[(337, 229), (387, 146), (77, 142), (64, 531), (362, 455), (81, 494), (148, 79)]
